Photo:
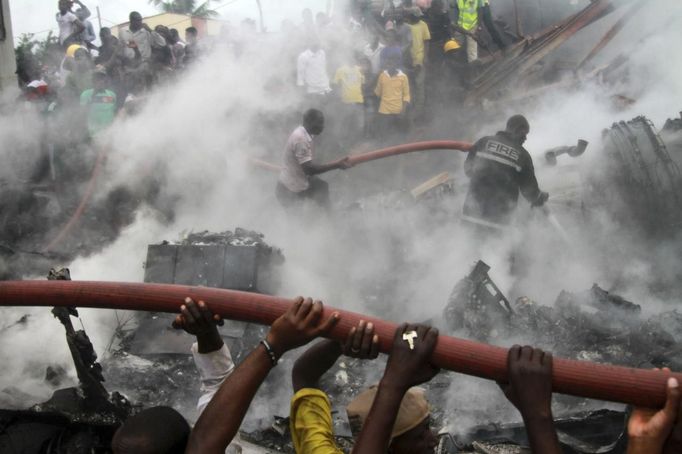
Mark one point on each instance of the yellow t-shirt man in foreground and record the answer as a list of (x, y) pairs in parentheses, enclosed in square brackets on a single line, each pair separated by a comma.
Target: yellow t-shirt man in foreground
[(311, 418)]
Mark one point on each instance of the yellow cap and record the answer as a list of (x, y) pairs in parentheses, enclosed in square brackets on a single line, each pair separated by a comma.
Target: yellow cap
[(450, 45), (71, 50), (413, 410)]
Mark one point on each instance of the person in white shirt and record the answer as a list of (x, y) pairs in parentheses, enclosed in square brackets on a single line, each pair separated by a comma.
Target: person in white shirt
[(297, 180), (138, 38), (88, 35), (312, 71), (70, 27), (211, 356), (372, 51)]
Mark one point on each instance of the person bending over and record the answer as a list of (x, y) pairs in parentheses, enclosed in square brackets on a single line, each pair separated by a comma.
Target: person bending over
[(298, 180)]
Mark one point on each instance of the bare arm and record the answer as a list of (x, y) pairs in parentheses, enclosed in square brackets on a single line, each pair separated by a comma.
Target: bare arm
[(405, 368), (315, 169), (86, 11), (530, 390), (310, 366), (220, 422)]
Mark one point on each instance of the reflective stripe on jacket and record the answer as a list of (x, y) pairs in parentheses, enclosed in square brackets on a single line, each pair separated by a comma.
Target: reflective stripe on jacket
[(468, 13)]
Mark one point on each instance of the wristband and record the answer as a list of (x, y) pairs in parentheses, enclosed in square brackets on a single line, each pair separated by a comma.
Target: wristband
[(270, 352)]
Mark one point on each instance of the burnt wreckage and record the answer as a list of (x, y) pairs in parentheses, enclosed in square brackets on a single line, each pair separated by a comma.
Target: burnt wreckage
[(152, 365), (635, 179)]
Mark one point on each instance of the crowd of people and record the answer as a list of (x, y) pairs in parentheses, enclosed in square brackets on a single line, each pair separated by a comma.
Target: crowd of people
[(392, 416), (372, 72)]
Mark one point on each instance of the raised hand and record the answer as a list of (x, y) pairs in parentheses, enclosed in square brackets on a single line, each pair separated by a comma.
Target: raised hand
[(409, 363), (198, 320), (361, 342), (299, 325), (651, 430)]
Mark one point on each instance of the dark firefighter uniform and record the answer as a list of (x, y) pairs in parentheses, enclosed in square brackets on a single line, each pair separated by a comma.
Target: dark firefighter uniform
[(499, 168)]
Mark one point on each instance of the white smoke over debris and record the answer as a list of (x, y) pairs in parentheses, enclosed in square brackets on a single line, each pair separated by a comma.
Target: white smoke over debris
[(194, 137)]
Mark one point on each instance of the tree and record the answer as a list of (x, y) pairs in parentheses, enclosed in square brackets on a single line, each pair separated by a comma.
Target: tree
[(33, 54), (186, 7)]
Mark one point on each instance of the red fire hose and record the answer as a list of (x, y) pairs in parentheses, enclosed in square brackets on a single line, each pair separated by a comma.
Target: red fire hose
[(579, 378), (89, 190), (383, 152), (407, 148)]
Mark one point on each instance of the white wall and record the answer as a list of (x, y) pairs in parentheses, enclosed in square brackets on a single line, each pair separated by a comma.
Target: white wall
[(7, 60)]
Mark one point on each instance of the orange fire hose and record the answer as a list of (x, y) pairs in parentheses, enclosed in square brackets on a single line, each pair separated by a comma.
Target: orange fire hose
[(407, 148), (355, 159), (89, 190), (579, 378)]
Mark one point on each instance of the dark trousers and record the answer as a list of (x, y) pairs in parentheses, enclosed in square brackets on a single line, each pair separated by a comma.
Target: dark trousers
[(317, 192), (391, 126)]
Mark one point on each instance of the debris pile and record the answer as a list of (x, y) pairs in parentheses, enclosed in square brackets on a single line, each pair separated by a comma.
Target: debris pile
[(639, 184), (593, 325)]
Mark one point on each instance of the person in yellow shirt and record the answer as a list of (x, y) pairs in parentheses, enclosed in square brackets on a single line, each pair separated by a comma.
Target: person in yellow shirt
[(420, 44), (393, 90), (350, 80), (401, 411)]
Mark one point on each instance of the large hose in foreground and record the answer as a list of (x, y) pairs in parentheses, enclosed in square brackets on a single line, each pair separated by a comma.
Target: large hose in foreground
[(382, 153), (579, 378)]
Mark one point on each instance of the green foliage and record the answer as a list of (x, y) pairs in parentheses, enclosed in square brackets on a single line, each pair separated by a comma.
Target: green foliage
[(190, 7), (33, 54)]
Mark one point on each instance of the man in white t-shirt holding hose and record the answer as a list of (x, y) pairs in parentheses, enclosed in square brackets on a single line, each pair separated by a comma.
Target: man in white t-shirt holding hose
[(298, 180)]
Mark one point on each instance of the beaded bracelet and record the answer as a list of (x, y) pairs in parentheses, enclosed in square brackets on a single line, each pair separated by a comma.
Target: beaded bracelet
[(270, 352)]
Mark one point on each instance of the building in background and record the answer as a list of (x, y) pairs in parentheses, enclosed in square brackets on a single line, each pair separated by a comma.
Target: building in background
[(8, 64), (205, 27)]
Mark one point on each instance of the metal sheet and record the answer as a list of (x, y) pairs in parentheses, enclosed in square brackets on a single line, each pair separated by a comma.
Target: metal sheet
[(160, 265), (240, 268), (200, 265)]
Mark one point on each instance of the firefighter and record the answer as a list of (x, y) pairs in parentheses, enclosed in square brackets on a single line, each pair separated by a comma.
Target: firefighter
[(499, 168)]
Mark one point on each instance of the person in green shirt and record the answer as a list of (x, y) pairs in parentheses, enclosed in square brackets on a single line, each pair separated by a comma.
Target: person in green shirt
[(99, 103)]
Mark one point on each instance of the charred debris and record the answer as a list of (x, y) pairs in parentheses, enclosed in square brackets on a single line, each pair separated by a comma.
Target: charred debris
[(150, 363), (636, 179)]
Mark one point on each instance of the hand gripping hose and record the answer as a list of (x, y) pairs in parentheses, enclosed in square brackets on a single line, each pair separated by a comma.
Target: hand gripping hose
[(578, 378)]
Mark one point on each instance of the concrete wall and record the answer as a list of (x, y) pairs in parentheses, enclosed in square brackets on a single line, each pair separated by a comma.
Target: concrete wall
[(8, 64)]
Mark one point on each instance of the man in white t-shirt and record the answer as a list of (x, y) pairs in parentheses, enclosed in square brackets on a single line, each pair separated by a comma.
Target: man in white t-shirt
[(70, 27), (297, 180), (312, 72)]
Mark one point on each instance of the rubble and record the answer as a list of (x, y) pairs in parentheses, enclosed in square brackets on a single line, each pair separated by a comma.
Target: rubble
[(637, 182), (592, 325)]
